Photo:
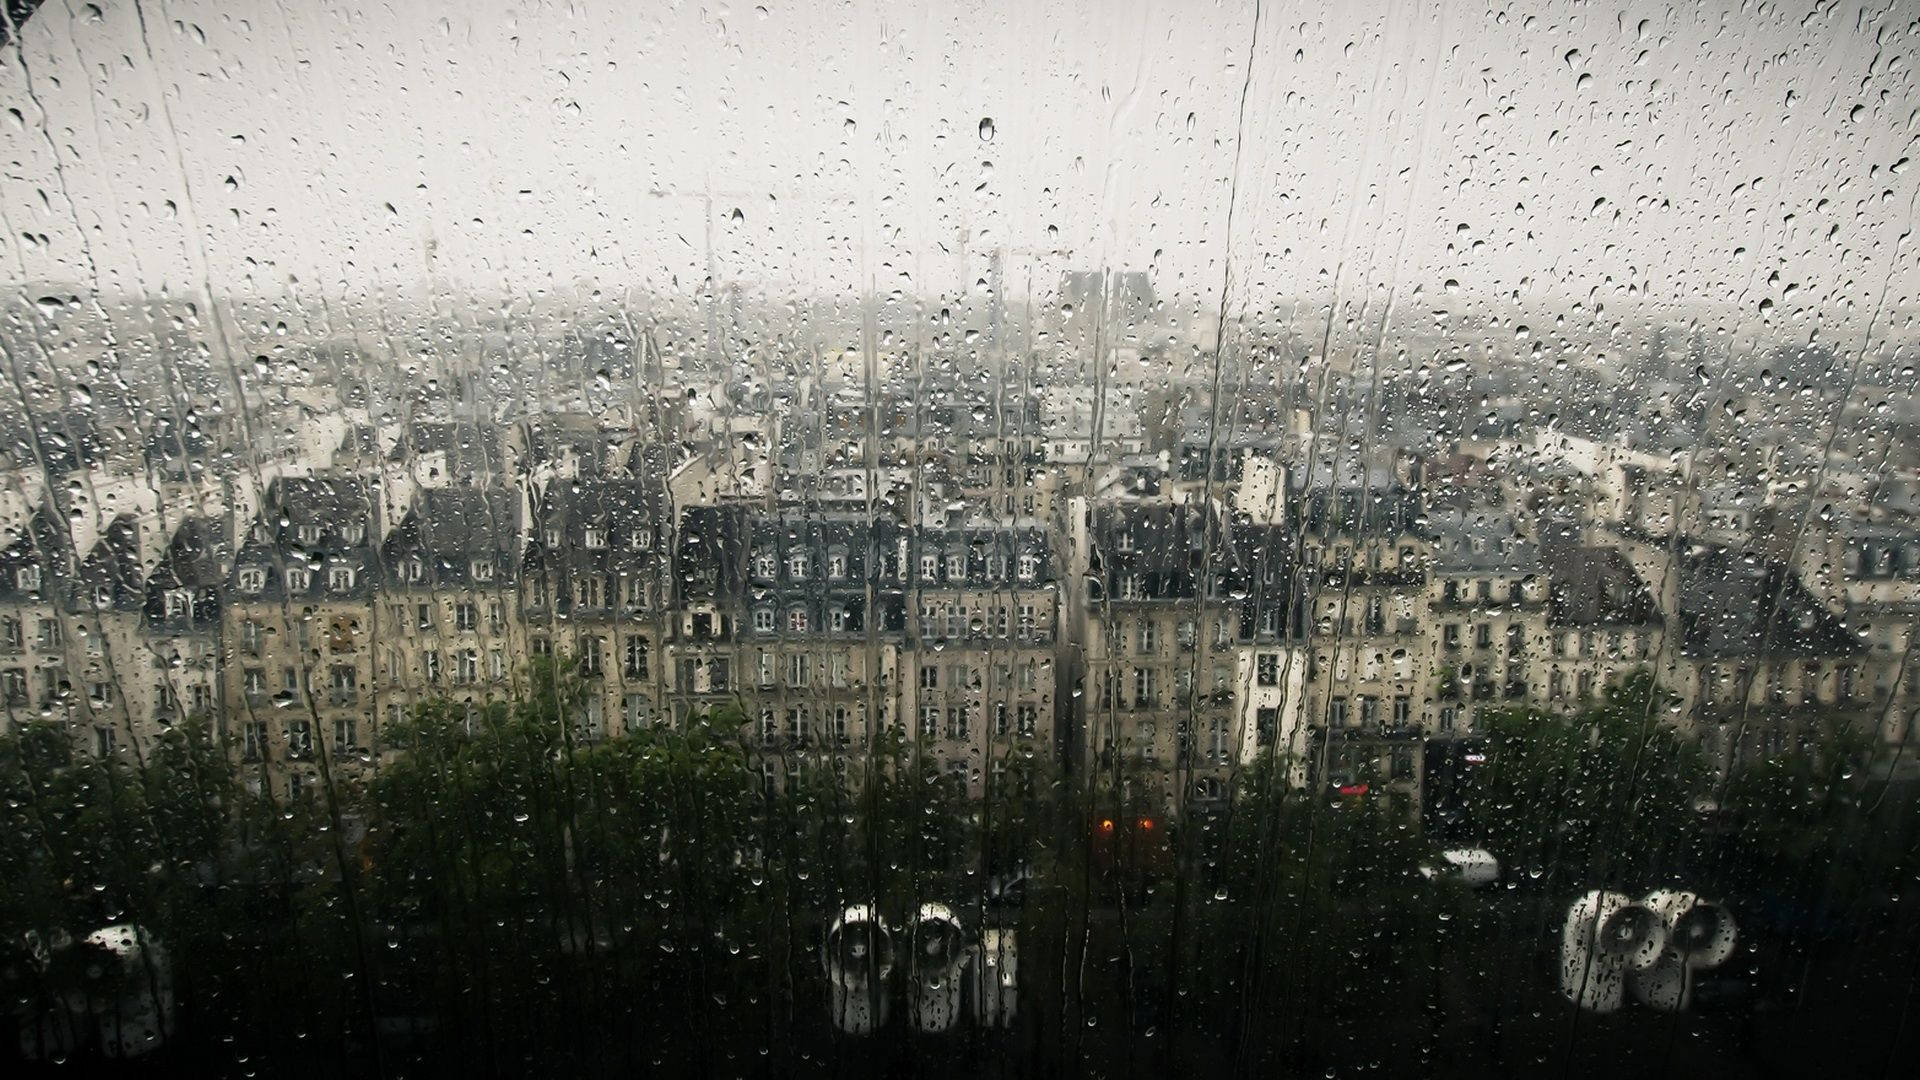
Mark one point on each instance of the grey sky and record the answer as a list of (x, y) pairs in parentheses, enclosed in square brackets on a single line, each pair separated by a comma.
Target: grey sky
[(1615, 152)]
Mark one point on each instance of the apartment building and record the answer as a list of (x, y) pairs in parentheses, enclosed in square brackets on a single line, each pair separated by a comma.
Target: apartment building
[(1267, 678), (594, 589), (821, 631), (448, 622), (1150, 723), (1760, 660), (182, 643), (36, 581), (1602, 624), (301, 623), (980, 644), (1371, 689), (1488, 599)]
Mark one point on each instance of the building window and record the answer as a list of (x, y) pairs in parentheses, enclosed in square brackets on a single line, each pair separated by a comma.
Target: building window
[(1337, 712), (340, 578), (797, 620), (346, 733), (1266, 723), (1267, 669), (1026, 720), (589, 592), (929, 677), (50, 636), (591, 648), (465, 616), (466, 667), (254, 740), (27, 578), (481, 570), (799, 565), (593, 536), (299, 580), (345, 690), (1402, 711), (1147, 641), (799, 669), (299, 740), (959, 722), (636, 712), (1145, 693), (636, 664), (764, 566), (1029, 567), (763, 620)]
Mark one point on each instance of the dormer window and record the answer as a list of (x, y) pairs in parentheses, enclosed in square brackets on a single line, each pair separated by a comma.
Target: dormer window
[(354, 533), (103, 596), (482, 570), (837, 565), (27, 578), (252, 579), (640, 540), (763, 620), (797, 620), (553, 538), (179, 602), (799, 565), (340, 578), (309, 534), (414, 570), (764, 565), (593, 536), (299, 579), (956, 566), (1029, 567)]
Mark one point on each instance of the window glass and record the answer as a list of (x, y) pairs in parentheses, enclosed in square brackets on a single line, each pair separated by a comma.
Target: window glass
[(1090, 538)]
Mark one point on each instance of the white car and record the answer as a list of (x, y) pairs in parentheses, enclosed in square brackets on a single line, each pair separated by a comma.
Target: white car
[(1473, 867)]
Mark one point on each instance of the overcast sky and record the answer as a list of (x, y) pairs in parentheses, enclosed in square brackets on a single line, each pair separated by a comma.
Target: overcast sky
[(1684, 154)]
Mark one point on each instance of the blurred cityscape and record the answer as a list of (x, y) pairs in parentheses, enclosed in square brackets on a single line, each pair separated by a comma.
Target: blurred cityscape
[(1083, 533)]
